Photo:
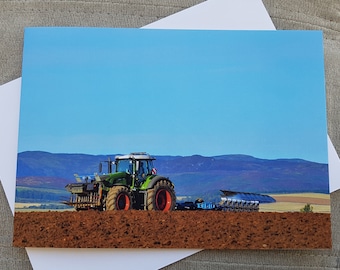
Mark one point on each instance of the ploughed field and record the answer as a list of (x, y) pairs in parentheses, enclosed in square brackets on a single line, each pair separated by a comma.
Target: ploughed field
[(176, 229)]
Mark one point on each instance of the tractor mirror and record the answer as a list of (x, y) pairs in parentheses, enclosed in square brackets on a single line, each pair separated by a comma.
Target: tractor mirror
[(100, 167)]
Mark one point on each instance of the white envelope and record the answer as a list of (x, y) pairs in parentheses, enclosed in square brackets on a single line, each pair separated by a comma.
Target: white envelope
[(212, 14)]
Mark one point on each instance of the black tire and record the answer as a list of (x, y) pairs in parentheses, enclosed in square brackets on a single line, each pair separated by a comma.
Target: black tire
[(162, 196), (118, 198)]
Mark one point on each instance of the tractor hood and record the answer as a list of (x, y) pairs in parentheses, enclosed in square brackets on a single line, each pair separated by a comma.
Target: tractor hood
[(118, 178)]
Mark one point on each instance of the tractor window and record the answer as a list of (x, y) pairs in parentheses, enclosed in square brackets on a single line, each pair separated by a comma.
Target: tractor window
[(144, 167), (124, 165), (149, 166)]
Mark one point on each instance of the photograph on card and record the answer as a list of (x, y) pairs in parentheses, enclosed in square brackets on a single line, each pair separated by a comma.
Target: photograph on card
[(140, 138)]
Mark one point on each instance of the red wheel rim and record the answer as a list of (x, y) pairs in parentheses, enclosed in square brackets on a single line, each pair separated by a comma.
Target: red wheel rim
[(163, 200), (123, 202)]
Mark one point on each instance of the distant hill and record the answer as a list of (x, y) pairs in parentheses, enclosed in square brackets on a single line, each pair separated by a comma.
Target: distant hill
[(38, 163), (192, 175), (245, 173)]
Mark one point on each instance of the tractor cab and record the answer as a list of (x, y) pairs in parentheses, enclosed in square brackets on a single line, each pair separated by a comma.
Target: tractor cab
[(137, 165)]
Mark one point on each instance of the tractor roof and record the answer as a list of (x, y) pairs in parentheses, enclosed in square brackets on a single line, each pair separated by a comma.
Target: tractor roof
[(138, 156)]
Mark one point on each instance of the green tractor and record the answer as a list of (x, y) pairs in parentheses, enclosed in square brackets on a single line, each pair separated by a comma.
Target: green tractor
[(131, 182)]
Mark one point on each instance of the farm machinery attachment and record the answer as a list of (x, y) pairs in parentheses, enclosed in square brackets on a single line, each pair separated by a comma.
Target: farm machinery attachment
[(231, 201)]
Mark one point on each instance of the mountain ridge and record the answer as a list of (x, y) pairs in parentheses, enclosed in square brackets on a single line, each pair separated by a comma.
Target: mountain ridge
[(194, 175)]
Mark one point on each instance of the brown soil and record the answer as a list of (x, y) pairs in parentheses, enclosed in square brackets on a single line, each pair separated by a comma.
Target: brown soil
[(177, 229)]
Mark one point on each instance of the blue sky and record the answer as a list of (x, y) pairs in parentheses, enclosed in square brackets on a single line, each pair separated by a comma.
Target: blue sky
[(174, 92)]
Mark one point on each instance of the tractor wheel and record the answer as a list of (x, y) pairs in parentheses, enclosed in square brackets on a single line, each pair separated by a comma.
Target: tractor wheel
[(118, 198), (161, 197)]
